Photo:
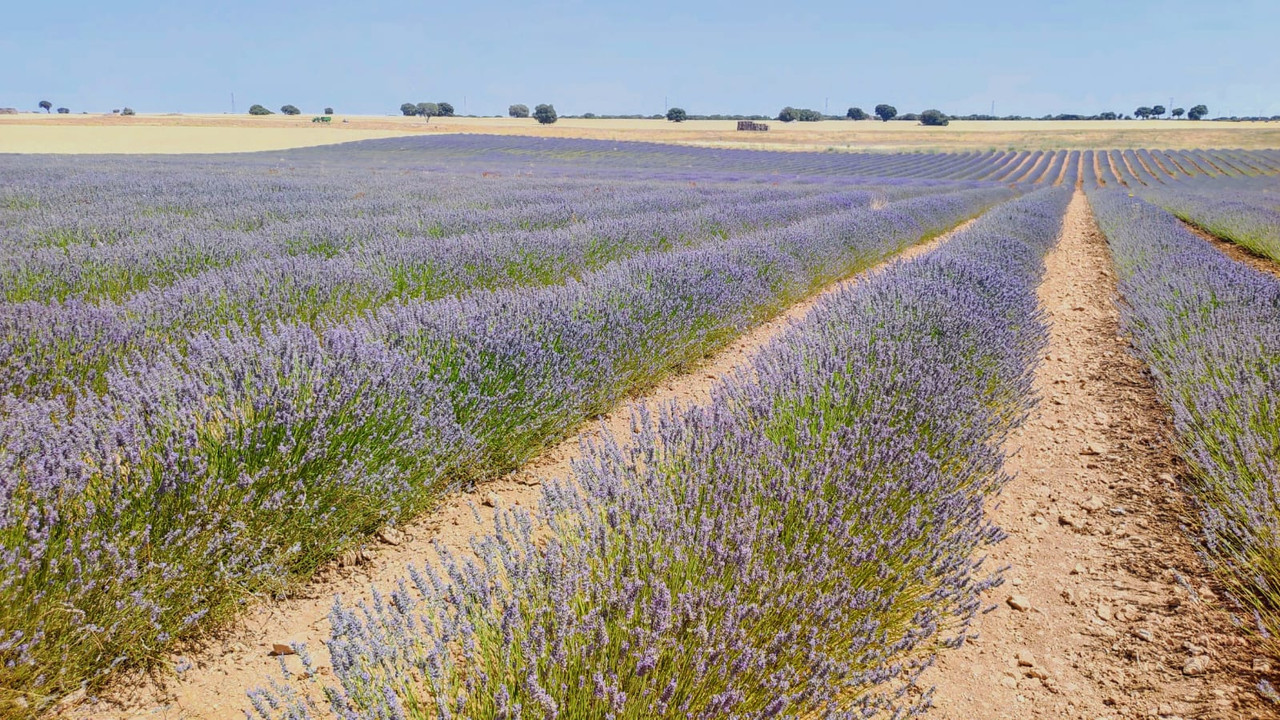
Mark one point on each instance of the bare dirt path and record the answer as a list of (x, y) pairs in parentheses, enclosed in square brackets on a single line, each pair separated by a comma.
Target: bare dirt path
[(240, 659), (1107, 612)]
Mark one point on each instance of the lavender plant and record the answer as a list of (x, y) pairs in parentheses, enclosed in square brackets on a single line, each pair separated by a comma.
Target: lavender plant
[(1244, 211), (799, 547)]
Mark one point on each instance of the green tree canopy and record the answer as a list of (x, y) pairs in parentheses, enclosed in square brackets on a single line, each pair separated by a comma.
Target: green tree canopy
[(545, 113), (934, 118)]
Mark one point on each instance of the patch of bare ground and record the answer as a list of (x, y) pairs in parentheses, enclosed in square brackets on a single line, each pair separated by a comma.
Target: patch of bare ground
[(1239, 253), (1107, 611), (240, 658)]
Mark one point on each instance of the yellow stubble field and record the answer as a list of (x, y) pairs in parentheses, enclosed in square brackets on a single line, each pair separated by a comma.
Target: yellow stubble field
[(44, 133)]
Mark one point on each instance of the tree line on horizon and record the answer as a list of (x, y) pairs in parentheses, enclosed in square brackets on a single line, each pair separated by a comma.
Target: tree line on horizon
[(546, 114)]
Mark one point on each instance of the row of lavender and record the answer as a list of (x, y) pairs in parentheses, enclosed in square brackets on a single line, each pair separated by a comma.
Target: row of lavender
[(1244, 211), (1044, 167), (1209, 329), (800, 547), (185, 478), (110, 233), (54, 347)]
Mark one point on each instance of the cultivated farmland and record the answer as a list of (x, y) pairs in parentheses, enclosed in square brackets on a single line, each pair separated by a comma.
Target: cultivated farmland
[(498, 427)]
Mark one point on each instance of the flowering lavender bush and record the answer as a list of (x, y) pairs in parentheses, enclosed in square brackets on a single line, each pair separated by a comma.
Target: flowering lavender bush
[(1209, 329), (159, 461), (1244, 211), (799, 547)]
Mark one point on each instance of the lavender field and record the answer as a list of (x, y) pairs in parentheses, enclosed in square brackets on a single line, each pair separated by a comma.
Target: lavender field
[(219, 373)]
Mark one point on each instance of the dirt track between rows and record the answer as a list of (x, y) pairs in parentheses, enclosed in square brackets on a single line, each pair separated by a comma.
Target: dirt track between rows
[(1119, 618)]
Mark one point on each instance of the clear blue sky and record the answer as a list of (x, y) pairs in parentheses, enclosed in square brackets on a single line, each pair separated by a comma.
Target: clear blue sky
[(734, 56)]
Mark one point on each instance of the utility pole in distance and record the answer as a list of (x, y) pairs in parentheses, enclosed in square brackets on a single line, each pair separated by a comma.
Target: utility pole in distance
[(233, 103)]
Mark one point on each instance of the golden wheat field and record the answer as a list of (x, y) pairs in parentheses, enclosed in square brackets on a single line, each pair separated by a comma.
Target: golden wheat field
[(37, 133)]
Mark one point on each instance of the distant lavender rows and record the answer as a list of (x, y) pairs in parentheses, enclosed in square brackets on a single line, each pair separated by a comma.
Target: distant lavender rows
[(182, 474), (798, 548), (670, 161), (55, 345), (1209, 329)]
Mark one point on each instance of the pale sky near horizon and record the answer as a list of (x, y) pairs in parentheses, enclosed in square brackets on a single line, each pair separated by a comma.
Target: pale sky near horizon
[(727, 56)]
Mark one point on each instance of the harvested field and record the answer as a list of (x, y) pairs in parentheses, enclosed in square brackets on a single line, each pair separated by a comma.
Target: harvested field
[(30, 132)]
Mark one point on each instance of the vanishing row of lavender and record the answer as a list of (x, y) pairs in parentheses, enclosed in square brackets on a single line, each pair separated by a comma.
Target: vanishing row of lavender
[(1244, 211), (676, 162), (89, 236), (800, 547), (62, 345), (1209, 329), (188, 472)]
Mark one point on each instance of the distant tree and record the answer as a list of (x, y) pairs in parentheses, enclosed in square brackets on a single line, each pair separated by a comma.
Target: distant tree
[(1178, 112), (1158, 110), (259, 110), (546, 114), (290, 110), (1107, 116), (518, 111), (788, 114), (677, 115), (886, 112), (1197, 112), (328, 111), (909, 117), (589, 116), (63, 111), (934, 118), (127, 111), (428, 110), (1143, 112), (45, 105), (856, 113), (408, 109), (446, 109)]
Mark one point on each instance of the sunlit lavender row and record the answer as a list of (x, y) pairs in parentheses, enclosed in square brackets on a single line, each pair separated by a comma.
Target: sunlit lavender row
[(158, 466), (73, 342), (1209, 329), (1244, 211), (800, 547)]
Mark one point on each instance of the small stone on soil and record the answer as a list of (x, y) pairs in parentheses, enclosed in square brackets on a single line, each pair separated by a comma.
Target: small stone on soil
[(1019, 603), (1197, 665), (391, 536)]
